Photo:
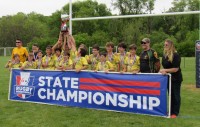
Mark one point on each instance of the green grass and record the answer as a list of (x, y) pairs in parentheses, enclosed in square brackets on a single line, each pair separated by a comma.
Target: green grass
[(14, 114)]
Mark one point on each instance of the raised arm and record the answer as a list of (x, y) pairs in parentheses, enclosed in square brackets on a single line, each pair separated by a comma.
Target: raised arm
[(71, 42), (58, 44)]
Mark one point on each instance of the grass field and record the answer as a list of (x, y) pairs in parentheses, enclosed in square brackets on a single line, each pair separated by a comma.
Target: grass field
[(14, 114)]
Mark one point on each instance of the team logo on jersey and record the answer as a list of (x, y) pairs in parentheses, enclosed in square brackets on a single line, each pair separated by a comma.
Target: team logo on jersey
[(24, 85)]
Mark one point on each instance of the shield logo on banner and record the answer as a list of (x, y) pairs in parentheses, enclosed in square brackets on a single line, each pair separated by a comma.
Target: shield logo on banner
[(24, 85)]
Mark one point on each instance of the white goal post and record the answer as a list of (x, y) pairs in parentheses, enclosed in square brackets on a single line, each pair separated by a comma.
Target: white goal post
[(128, 16)]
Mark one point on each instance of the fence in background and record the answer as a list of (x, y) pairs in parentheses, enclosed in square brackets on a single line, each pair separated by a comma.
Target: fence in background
[(6, 51)]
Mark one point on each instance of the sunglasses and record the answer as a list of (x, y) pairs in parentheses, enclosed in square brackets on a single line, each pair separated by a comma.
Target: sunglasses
[(18, 42), (143, 42)]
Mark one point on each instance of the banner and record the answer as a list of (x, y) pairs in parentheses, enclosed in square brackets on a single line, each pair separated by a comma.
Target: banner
[(138, 93)]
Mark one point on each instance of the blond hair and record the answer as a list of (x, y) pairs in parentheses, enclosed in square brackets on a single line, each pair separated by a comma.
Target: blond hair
[(170, 52)]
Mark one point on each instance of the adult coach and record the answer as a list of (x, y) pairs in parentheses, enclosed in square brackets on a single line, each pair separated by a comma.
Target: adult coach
[(20, 50), (149, 61), (171, 63)]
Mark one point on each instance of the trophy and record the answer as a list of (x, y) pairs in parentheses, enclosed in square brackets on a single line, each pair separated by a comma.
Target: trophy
[(64, 20)]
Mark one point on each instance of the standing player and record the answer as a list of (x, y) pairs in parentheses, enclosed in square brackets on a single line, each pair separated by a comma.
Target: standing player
[(29, 64), (14, 63), (132, 61), (65, 63), (20, 50), (39, 60), (93, 59), (80, 62), (121, 56), (112, 57), (48, 61), (35, 49), (104, 65)]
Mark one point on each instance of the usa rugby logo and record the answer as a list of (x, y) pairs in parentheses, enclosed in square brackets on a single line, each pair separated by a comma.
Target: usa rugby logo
[(24, 85)]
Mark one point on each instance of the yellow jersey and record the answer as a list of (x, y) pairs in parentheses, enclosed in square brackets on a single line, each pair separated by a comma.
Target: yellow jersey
[(73, 55), (29, 65), (132, 64), (121, 58), (65, 64), (93, 61), (103, 66), (22, 52), (57, 59), (38, 63), (50, 61), (15, 65), (113, 59), (80, 62)]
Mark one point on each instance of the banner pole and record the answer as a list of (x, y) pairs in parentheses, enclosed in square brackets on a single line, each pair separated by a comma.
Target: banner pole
[(199, 22), (169, 113), (10, 84)]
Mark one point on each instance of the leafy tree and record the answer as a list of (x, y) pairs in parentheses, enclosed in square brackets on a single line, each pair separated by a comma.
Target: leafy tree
[(23, 27), (82, 38)]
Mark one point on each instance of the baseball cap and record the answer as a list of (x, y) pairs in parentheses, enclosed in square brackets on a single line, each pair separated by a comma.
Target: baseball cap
[(147, 40)]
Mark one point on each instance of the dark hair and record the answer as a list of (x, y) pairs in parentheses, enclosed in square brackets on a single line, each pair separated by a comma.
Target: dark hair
[(110, 44), (66, 54), (35, 44), (19, 40), (30, 54), (83, 52), (15, 55), (39, 51), (95, 47), (31, 51), (103, 53), (49, 47), (66, 46), (57, 49), (133, 46), (123, 45), (84, 46)]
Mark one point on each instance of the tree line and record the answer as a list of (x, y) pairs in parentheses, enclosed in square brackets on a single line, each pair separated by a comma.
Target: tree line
[(44, 30)]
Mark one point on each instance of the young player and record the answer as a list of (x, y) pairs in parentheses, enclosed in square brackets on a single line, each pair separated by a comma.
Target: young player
[(39, 60), (112, 57), (121, 56), (57, 56), (35, 49), (93, 59), (48, 61), (132, 61), (104, 65), (15, 63), (80, 62), (29, 64), (65, 63)]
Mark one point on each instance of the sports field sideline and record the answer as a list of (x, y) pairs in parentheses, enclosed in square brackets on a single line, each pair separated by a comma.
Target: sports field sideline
[(14, 114)]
